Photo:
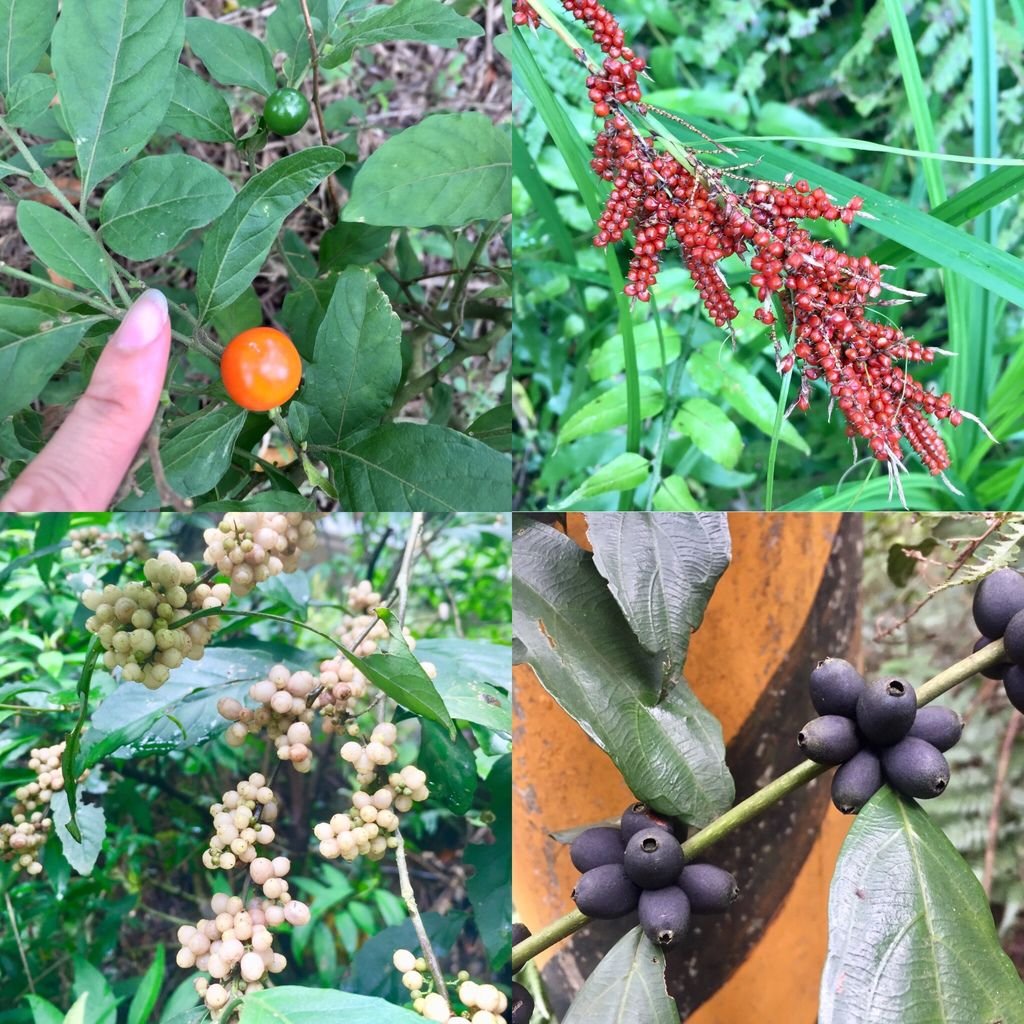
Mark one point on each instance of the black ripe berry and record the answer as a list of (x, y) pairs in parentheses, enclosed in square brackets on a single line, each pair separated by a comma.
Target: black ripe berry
[(1013, 683), (1013, 638), (835, 687), (915, 768), (886, 711), (520, 933), (710, 889), (996, 671), (639, 816), (595, 847), (664, 914), (998, 598), (653, 858), (520, 1005), (606, 892), (941, 727), (830, 739), (856, 782)]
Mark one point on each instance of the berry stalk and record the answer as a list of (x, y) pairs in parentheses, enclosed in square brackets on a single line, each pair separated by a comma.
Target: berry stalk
[(760, 801)]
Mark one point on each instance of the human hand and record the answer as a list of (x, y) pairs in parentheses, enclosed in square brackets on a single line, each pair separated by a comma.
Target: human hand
[(82, 466)]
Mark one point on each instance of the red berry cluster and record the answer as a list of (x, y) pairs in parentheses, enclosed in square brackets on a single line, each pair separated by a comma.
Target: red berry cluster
[(822, 293)]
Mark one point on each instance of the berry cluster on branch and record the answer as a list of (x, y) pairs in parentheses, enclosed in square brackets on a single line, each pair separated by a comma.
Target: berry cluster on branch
[(822, 295), (484, 1003), (237, 827), (999, 615), (23, 837), (876, 734), (250, 547), (640, 866), (87, 541)]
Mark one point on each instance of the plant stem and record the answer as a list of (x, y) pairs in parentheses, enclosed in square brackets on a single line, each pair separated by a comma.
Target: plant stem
[(409, 896), (759, 802), (17, 939)]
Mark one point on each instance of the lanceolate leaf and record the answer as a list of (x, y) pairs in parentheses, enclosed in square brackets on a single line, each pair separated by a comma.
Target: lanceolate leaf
[(627, 987), (115, 64), (424, 21), (239, 241), (398, 672), (420, 467), (357, 362), (911, 936), (159, 201), (570, 630), (448, 170), (62, 246), (25, 27), (662, 570)]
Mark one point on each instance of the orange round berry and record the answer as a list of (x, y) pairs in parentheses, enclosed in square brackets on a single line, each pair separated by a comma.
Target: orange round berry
[(261, 368)]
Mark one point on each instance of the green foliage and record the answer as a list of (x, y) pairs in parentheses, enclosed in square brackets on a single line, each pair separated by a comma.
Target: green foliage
[(206, 223)]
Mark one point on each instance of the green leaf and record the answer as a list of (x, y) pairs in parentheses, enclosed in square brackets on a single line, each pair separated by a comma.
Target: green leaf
[(721, 374), (471, 677), (146, 995), (91, 821), (194, 459), (28, 106), (569, 628), (420, 467), (623, 473), (398, 672), (63, 246), (489, 885), (710, 430), (198, 110), (114, 63), (608, 410), (357, 361), (34, 345), (662, 571), (43, 1011), (240, 239), (423, 21), (89, 981), (159, 201), (608, 358), (781, 119), (25, 27), (292, 1004), (494, 427), (626, 987), (348, 244), (286, 32), (450, 767), (232, 55), (446, 171), (911, 936), (76, 1015)]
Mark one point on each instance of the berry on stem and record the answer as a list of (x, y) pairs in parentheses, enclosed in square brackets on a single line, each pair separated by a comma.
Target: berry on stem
[(886, 711), (653, 858), (261, 369), (606, 892)]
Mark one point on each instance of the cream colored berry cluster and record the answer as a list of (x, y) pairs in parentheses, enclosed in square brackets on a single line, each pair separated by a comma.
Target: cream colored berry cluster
[(362, 597), (23, 836), (250, 547), (282, 715), (367, 758), (239, 826), (484, 1004), (342, 687), (89, 540), (367, 828), (235, 946), (133, 622)]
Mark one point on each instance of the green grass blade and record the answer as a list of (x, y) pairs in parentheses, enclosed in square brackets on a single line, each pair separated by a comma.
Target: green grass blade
[(773, 450)]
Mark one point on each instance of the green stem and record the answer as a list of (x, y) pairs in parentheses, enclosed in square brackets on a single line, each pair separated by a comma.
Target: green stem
[(773, 451), (759, 802)]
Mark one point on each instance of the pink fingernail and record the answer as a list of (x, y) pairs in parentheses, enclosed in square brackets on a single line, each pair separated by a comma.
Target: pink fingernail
[(144, 322)]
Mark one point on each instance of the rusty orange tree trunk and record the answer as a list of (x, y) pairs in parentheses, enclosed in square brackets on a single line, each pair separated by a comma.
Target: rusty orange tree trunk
[(789, 598)]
